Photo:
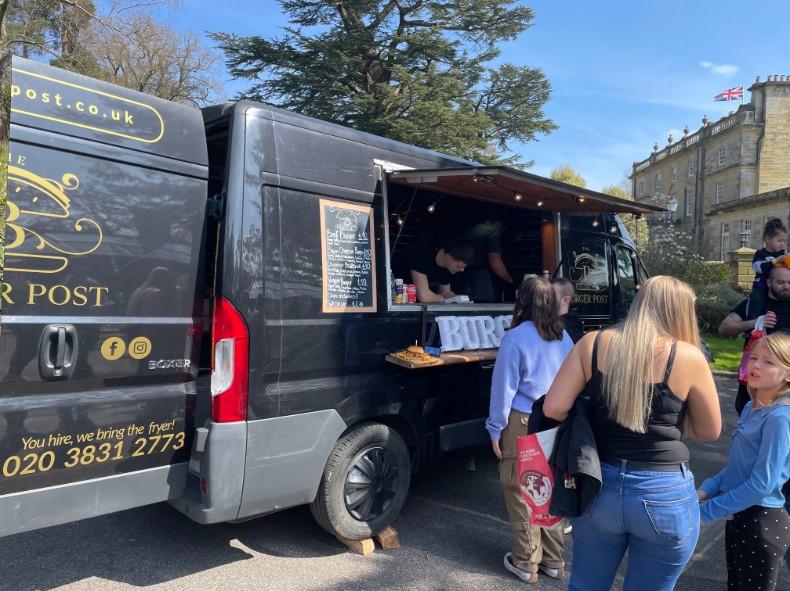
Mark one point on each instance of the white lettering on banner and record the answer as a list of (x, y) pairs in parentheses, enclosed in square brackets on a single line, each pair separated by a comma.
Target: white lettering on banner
[(449, 328), (472, 332), (469, 333), (502, 324), (485, 328)]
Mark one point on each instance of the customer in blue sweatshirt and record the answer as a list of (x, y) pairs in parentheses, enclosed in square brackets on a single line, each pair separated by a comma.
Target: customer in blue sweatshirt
[(529, 357), (748, 491)]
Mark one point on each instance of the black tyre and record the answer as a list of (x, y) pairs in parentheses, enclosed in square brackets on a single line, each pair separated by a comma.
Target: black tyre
[(364, 484)]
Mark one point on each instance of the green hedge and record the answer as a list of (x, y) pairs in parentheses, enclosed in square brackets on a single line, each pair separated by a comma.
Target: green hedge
[(714, 303)]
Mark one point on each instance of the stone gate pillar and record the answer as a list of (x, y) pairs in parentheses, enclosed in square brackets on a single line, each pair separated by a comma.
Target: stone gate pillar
[(741, 272)]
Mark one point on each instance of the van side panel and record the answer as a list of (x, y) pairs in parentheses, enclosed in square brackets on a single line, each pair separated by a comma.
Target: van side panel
[(80, 500), (99, 348), (287, 457)]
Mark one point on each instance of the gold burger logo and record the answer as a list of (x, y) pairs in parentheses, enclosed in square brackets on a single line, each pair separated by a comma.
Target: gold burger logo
[(32, 197), (33, 247), (54, 100)]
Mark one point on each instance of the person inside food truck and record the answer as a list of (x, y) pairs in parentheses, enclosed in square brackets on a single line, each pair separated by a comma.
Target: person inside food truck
[(428, 266), (488, 264)]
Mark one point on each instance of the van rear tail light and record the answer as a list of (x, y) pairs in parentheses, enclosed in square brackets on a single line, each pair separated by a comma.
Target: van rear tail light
[(229, 370)]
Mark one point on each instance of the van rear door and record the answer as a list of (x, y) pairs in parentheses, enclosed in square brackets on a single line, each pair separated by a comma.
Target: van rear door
[(98, 349)]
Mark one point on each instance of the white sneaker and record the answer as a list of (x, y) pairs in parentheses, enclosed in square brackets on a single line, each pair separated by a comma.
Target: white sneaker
[(530, 578), (552, 573)]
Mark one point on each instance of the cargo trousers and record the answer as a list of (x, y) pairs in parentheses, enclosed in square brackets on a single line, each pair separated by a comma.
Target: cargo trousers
[(532, 545)]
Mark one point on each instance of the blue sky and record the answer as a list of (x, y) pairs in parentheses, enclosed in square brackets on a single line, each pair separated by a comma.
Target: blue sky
[(625, 73)]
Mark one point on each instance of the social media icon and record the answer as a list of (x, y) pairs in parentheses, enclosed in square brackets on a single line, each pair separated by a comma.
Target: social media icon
[(113, 348), (139, 348)]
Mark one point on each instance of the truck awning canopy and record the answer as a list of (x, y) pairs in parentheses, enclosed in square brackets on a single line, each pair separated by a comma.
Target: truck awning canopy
[(516, 188)]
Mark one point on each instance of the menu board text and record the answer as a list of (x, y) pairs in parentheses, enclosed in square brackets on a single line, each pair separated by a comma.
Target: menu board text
[(349, 270)]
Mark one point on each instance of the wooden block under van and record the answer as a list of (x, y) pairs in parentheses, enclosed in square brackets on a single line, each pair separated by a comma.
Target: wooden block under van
[(388, 538), (363, 547)]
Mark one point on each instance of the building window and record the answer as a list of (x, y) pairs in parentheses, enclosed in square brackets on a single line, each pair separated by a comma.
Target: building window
[(674, 175), (746, 226), (719, 192), (725, 241), (640, 189), (691, 167), (722, 155), (658, 180), (689, 203)]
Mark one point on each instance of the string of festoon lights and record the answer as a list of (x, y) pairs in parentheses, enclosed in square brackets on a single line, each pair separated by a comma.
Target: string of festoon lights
[(490, 181)]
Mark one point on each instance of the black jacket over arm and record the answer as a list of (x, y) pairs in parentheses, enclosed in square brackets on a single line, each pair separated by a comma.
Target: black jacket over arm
[(575, 456)]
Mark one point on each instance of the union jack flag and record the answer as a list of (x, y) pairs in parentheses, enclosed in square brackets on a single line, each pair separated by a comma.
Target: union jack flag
[(731, 94)]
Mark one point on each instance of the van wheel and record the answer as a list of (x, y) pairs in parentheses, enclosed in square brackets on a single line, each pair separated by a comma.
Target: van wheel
[(364, 484)]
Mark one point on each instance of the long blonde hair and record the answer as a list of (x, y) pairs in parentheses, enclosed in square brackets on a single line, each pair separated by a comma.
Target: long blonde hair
[(778, 346), (663, 308)]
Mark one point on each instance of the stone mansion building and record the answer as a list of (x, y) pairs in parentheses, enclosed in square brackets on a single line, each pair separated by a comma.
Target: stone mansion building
[(729, 176)]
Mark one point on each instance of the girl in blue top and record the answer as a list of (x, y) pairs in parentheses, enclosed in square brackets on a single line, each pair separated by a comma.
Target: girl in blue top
[(748, 491), (529, 356)]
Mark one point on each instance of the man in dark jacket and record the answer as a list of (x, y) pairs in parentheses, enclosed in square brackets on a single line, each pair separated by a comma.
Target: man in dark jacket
[(565, 291)]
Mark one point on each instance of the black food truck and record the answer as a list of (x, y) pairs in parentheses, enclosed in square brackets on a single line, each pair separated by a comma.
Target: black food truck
[(197, 307)]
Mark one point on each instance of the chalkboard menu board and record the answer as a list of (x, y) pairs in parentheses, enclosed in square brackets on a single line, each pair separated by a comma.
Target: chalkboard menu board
[(349, 268)]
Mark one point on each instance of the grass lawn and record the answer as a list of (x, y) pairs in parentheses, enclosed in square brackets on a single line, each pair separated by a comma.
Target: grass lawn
[(727, 352)]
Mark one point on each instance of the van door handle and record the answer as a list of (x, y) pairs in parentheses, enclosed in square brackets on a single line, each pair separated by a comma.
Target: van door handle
[(57, 353)]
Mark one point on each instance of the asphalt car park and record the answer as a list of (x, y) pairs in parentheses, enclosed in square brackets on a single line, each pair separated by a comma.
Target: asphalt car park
[(453, 534)]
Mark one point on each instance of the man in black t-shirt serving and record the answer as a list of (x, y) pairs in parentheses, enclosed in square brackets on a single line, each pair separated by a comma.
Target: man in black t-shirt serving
[(486, 241), (428, 265), (778, 302)]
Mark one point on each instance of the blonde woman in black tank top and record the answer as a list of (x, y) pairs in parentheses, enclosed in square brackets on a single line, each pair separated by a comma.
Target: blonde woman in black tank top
[(649, 383)]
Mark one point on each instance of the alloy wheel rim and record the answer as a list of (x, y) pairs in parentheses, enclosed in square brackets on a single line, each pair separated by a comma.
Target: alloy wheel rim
[(370, 484)]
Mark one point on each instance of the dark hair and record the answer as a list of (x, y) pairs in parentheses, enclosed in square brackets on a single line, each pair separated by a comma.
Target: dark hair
[(460, 249), (773, 227), (537, 301), (566, 286), (494, 216)]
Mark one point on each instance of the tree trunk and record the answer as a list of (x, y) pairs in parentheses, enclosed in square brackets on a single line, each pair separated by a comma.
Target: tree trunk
[(5, 84), (5, 123)]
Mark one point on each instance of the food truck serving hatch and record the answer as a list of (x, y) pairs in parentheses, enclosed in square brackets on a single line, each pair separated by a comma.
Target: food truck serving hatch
[(516, 188)]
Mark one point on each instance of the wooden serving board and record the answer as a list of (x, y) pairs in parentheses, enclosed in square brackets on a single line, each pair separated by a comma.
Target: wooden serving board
[(412, 364), (451, 358), (469, 356)]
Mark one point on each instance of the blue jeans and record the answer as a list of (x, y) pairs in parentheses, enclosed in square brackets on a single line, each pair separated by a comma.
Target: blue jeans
[(653, 515)]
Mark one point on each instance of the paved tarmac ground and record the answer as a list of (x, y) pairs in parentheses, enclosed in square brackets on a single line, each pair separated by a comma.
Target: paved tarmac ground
[(453, 534)]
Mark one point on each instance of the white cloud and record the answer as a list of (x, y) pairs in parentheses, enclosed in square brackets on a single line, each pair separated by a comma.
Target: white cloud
[(723, 69)]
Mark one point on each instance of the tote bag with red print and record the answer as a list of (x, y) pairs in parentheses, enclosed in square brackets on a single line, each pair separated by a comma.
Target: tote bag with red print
[(536, 477)]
